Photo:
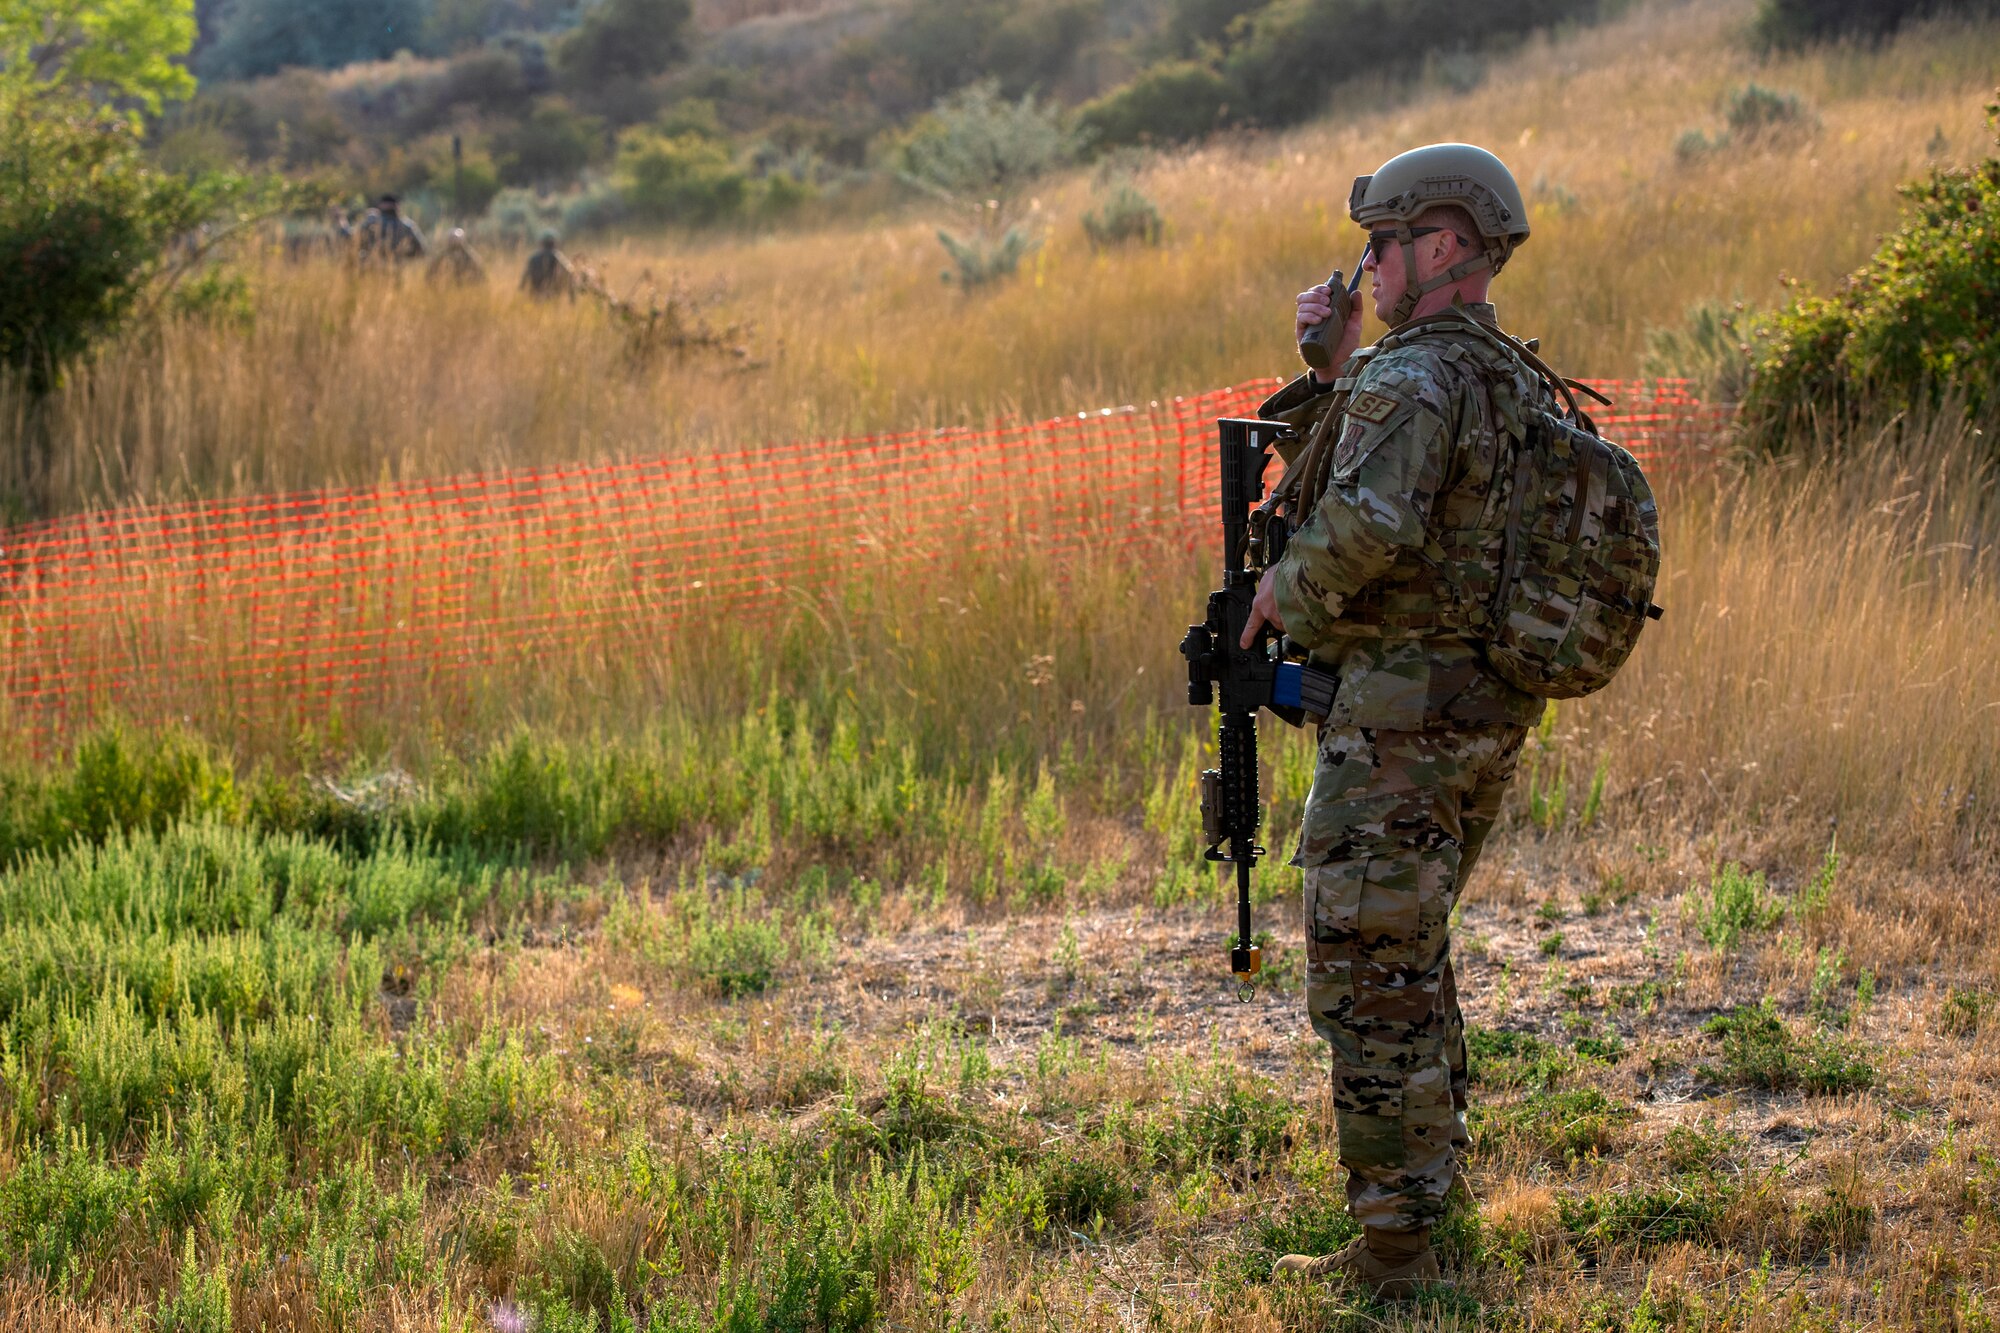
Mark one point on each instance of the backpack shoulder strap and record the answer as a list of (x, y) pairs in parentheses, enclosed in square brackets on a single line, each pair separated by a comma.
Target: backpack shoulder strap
[(1560, 386)]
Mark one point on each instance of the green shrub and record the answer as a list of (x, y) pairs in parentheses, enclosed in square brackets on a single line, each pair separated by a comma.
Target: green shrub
[(257, 37), (1123, 215), (1753, 111), (1278, 61), (1172, 102), (976, 146), (577, 1276), (1760, 1051), (84, 223), (1688, 1209), (1694, 145), (1738, 903), (1083, 1192), (117, 780), (1794, 23), (624, 40), (58, 1201), (201, 1303), (549, 147), (1915, 323), (520, 216), (1561, 1126), (1513, 1059), (686, 179), (733, 949)]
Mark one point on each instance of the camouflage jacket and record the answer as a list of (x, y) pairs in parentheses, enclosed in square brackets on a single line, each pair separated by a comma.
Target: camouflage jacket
[(1410, 526)]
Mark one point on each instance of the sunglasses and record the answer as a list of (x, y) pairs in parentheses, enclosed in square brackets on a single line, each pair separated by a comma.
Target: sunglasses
[(1380, 241)]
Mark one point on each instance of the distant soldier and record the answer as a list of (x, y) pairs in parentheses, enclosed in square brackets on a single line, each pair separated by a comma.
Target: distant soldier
[(456, 262), (387, 237), (548, 273), (339, 237)]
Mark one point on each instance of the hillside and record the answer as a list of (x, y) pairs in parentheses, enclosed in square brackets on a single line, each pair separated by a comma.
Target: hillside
[(850, 330)]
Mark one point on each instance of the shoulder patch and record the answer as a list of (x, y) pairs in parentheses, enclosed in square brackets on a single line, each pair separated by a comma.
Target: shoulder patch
[(1372, 408)]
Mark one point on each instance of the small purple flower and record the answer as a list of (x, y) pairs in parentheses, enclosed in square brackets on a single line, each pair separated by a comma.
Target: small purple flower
[(505, 1317)]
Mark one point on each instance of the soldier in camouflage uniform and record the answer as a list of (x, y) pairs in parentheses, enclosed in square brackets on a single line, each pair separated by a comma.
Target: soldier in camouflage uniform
[(456, 262), (386, 236), (1404, 525), (548, 272)]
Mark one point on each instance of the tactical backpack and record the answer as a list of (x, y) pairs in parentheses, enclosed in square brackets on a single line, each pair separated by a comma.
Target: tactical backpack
[(1579, 551), (1581, 558)]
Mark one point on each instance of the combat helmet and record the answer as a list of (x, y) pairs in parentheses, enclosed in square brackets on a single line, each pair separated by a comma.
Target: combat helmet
[(1443, 173)]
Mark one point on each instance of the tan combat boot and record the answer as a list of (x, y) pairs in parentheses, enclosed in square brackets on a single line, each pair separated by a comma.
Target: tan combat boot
[(1390, 1264)]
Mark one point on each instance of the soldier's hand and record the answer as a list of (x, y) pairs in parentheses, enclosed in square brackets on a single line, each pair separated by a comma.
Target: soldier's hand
[(1315, 307), (1263, 609)]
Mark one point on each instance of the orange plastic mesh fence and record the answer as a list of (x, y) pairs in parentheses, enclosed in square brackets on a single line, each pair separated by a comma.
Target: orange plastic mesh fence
[(295, 603)]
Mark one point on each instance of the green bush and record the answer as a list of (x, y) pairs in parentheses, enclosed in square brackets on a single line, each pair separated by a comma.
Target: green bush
[(467, 187), (1760, 1051), (1687, 1210), (550, 147), (936, 46), (1172, 102), (1738, 903), (1123, 217), (1915, 323), (1281, 54), (117, 780), (624, 40), (84, 222), (201, 1303), (57, 1202), (685, 179)]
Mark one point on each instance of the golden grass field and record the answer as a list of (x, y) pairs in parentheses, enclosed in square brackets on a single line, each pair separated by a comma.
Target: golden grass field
[(956, 823)]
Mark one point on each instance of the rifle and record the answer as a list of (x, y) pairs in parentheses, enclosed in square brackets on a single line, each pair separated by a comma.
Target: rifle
[(1242, 680)]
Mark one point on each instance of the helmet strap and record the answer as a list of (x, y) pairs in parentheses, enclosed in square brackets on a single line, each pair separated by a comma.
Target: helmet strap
[(1412, 291)]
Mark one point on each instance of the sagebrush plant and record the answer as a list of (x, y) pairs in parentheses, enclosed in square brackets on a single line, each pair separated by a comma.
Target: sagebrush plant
[(1755, 112), (1123, 215), (978, 151)]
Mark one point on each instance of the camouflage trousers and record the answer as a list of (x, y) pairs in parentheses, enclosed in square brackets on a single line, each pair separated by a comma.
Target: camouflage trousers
[(1393, 825)]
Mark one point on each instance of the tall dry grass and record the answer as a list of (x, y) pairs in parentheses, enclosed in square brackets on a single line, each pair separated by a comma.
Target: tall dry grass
[(348, 379)]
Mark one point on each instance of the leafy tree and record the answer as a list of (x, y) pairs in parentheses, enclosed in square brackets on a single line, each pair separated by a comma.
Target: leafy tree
[(625, 40), (1284, 57), (81, 223), (1915, 322), (116, 55), (85, 221), (1793, 23), (1192, 25), (258, 37), (551, 147), (939, 46)]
